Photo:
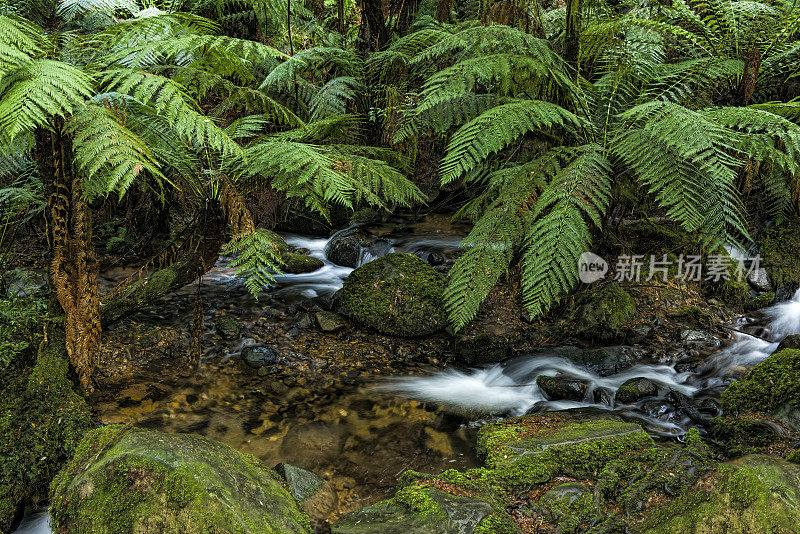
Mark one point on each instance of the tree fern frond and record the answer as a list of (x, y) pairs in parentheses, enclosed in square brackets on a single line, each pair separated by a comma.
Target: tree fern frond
[(333, 97), (495, 129), (170, 100), (37, 91), (110, 156), (559, 232), (256, 259), (69, 9)]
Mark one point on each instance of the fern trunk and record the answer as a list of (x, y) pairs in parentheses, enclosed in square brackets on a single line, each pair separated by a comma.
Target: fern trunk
[(573, 34), (373, 25), (443, 8), (73, 267)]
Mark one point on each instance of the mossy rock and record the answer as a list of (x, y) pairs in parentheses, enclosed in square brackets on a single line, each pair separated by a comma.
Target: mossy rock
[(761, 301), (300, 263), (534, 448), (755, 494), (742, 435), (397, 294), (601, 314), (124, 479), (417, 510), (778, 247), (42, 421), (228, 327), (772, 387), (635, 389)]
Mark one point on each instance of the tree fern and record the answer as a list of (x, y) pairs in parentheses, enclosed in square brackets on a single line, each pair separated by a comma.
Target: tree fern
[(559, 232), (256, 258), (495, 129)]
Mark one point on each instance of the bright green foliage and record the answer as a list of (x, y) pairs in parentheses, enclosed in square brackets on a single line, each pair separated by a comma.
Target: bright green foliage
[(256, 258)]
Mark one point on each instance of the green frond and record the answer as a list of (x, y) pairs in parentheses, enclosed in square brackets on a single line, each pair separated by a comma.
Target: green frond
[(20, 42), (70, 9), (33, 93), (333, 97), (559, 232), (256, 259), (109, 155), (170, 100), (495, 129)]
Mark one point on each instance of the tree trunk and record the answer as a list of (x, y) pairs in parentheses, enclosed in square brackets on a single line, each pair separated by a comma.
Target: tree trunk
[(443, 9), (73, 268), (373, 25), (193, 257), (573, 34)]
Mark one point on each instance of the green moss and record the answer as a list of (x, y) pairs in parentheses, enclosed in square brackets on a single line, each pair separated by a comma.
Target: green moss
[(601, 314), (124, 480), (778, 247), (761, 301), (772, 385), (417, 500), (794, 457), (754, 494), (575, 449), (396, 294), (298, 263), (693, 314), (42, 420), (744, 435), (496, 524), (138, 294)]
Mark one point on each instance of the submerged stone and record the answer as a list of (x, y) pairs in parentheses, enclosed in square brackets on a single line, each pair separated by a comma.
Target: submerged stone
[(124, 479), (329, 321), (228, 327), (261, 356), (635, 389), (313, 492), (417, 510)]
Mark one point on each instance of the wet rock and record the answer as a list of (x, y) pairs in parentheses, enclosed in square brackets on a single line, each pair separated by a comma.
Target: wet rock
[(557, 503), (300, 322), (778, 246), (397, 294), (417, 510), (262, 357), (759, 280), (124, 479), (435, 258), (534, 448), (271, 315), (344, 248), (561, 388), (756, 302), (602, 396), (770, 388), (698, 338), (789, 342), (753, 494), (484, 347), (20, 283), (607, 361), (314, 493), (601, 314), (330, 321), (228, 327), (639, 333), (299, 264), (635, 389)]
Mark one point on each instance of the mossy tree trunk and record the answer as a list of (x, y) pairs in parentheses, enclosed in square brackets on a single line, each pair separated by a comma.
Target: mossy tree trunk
[(73, 267)]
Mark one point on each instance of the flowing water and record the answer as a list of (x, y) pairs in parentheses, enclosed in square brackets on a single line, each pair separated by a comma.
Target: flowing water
[(510, 387), (360, 434)]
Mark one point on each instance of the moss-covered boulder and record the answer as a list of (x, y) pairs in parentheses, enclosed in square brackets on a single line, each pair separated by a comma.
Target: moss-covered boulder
[(227, 326), (753, 494), (778, 247), (534, 448), (602, 313), (42, 420), (417, 510), (300, 263), (635, 389), (397, 294), (772, 387), (123, 479)]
